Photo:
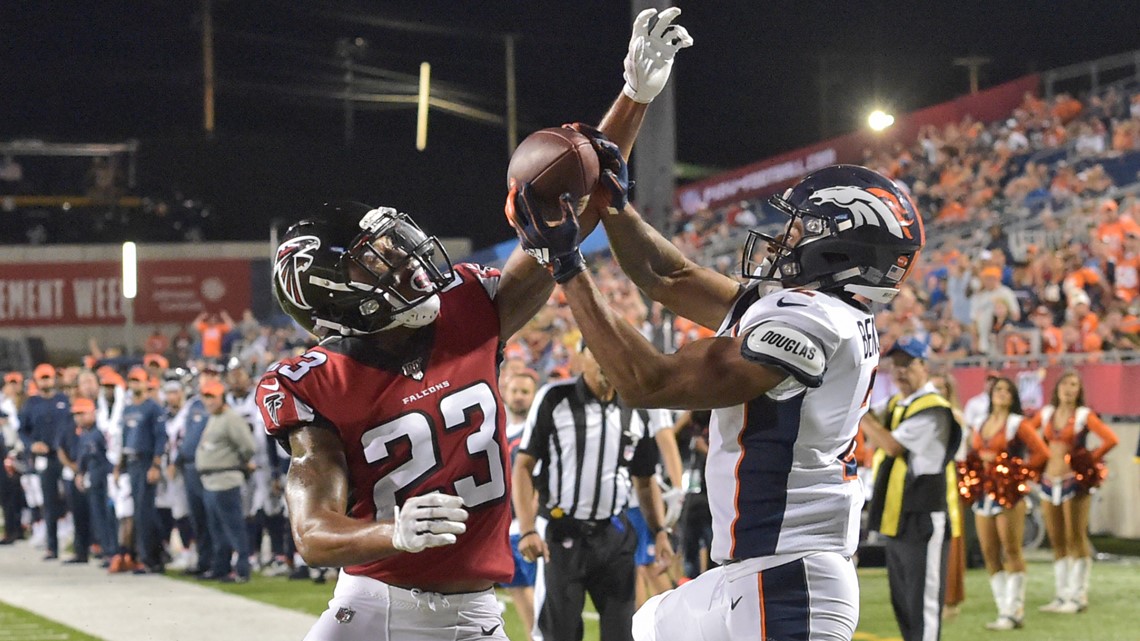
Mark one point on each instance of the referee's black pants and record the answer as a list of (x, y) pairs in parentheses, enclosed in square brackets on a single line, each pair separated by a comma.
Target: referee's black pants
[(597, 559), (916, 572)]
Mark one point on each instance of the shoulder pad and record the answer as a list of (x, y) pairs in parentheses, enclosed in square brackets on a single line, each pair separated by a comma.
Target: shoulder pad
[(788, 349)]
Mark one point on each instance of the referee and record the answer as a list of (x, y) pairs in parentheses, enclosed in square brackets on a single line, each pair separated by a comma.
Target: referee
[(589, 445), (917, 436)]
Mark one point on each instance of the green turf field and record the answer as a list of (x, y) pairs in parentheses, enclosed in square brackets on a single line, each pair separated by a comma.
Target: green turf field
[(21, 625), (1112, 615)]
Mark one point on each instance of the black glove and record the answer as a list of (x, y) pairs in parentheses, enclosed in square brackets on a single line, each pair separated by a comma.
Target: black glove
[(553, 244), (615, 170)]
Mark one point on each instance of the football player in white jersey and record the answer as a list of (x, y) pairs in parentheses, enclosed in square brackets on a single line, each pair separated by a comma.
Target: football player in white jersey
[(787, 376)]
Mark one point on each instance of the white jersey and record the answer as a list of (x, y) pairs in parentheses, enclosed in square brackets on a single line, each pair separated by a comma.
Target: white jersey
[(781, 470)]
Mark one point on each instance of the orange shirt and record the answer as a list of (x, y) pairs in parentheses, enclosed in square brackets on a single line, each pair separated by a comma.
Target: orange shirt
[(1068, 432), (1082, 278), (1128, 278), (1052, 341), (1112, 234), (1037, 451), (212, 335)]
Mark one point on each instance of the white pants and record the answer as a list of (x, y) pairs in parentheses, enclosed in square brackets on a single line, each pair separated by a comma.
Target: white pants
[(814, 598), (120, 494), (364, 609)]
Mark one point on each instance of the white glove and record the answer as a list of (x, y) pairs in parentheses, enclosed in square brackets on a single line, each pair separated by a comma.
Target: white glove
[(650, 57), (674, 499), (428, 521)]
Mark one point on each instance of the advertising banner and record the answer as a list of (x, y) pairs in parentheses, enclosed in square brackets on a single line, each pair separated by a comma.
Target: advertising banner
[(88, 293)]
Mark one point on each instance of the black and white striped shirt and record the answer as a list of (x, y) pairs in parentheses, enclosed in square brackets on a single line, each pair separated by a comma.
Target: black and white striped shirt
[(586, 462)]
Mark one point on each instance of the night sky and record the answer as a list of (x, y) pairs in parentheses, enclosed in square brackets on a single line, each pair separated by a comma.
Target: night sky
[(749, 88)]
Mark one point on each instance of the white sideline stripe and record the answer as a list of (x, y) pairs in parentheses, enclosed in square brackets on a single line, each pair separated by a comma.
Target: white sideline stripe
[(117, 607)]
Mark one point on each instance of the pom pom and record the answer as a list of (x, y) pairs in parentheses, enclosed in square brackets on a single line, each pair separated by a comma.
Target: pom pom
[(1088, 473)]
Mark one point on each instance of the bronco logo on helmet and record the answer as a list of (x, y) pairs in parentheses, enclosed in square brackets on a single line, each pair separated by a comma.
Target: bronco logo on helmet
[(871, 206), (294, 257)]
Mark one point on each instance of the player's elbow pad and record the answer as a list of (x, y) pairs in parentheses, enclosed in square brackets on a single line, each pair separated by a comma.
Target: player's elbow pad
[(789, 349)]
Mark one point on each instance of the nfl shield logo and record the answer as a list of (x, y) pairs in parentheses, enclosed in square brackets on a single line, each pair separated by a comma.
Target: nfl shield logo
[(344, 615)]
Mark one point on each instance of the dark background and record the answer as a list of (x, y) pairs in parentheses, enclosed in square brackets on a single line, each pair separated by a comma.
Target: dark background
[(749, 88)]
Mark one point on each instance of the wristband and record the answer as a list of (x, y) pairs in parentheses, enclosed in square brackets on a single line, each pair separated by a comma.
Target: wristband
[(526, 534), (659, 530), (567, 266)]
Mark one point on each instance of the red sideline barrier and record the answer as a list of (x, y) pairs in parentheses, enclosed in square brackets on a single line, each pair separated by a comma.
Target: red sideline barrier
[(1110, 389)]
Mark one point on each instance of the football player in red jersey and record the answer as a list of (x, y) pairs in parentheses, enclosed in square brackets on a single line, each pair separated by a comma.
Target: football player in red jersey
[(394, 423)]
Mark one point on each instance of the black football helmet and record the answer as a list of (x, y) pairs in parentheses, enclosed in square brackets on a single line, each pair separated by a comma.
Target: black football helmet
[(861, 235), (359, 270)]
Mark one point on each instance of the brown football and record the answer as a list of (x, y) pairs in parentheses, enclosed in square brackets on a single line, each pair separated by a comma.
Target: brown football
[(555, 161)]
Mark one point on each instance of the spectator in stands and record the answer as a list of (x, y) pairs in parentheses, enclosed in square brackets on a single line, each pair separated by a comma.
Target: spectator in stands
[(1050, 340), (1065, 423), (183, 345), (1081, 315), (157, 343), (212, 330), (1113, 226), (984, 302), (1001, 527)]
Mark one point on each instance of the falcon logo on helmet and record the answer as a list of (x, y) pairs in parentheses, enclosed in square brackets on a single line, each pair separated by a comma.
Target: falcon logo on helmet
[(871, 206), (294, 257)]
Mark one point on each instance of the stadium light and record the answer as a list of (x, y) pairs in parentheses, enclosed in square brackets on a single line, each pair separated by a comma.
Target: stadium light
[(130, 270), (422, 111), (879, 120)]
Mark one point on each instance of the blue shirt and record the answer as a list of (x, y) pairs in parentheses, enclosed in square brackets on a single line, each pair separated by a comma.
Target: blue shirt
[(144, 429), (46, 420), (196, 419), (92, 455)]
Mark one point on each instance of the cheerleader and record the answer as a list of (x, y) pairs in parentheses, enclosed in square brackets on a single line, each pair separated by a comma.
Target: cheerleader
[(996, 449), (1071, 474)]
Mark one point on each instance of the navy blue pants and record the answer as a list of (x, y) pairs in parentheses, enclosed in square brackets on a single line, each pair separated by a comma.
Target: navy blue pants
[(81, 517), (196, 502), (228, 523), (104, 525), (146, 514), (54, 506)]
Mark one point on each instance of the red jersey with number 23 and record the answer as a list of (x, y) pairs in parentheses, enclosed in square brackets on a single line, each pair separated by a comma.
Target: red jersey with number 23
[(412, 428)]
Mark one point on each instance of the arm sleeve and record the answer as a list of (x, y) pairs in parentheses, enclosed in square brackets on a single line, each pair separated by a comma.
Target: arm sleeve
[(1108, 438), (487, 277), (282, 409), (159, 431)]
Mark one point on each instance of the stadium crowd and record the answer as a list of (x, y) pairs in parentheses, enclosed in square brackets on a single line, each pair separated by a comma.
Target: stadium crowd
[(1034, 252)]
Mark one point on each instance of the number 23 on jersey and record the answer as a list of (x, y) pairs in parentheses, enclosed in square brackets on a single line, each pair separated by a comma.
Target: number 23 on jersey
[(424, 458)]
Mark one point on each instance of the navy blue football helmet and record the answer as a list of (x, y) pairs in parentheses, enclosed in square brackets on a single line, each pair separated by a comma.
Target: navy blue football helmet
[(861, 234)]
